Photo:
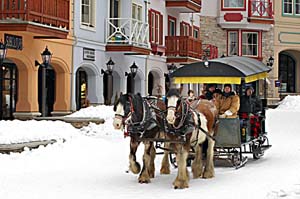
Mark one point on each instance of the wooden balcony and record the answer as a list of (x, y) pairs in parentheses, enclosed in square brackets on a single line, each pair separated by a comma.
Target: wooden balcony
[(183, 49), (43, 18), (127, 35), (184, 5), (260, 11)]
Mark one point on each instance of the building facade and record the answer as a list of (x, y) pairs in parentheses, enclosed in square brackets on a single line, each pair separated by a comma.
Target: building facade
[(241, 28), (287, 48), (150, 34), (27, 28)]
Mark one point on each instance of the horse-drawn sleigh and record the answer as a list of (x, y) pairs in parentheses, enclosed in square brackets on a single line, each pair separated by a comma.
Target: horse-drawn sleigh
[(183, 128)]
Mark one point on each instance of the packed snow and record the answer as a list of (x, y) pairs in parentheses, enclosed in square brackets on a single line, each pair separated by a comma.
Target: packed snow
[(92, 162)]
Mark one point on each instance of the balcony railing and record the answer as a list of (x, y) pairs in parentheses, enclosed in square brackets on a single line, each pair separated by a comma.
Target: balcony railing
[(48, 12), (261, 9), (127, 31), (183, 46), (210, 51)]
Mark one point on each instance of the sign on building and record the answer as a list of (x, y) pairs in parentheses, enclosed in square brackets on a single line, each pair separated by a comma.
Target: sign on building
[(89, 54)]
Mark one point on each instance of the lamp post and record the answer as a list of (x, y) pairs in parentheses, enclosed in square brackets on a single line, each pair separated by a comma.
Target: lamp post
[(132, 74), (3, 51), (270, 63), (46, 57), (109, 87)]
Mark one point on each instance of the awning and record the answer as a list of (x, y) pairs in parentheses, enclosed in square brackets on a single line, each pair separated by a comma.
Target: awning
[(222, 70)]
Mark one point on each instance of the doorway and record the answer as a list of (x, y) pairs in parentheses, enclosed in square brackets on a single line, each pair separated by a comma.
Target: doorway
[(81, 89), (50, 89), (8, 90)]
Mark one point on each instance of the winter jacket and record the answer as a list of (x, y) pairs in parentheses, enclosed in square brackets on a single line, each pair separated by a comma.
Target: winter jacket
[(230, 102), (250, 104)]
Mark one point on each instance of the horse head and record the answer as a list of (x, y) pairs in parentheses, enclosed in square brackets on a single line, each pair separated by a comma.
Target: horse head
[(173, 101), (127, 108)]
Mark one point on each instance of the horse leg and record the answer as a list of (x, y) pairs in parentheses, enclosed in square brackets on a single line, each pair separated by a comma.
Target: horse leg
[(165, 164), (152, 158), (209, 171), (182, 179), (134, 166), (144, 176), (197, 165)]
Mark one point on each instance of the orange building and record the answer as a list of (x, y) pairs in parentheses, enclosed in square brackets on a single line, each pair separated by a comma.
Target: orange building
[(27, 28)]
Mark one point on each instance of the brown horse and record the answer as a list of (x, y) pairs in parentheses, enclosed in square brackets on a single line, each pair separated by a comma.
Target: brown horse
[(143, 120), (193, 124)]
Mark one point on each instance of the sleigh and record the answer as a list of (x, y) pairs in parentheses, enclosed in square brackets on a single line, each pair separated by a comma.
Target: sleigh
[(235, 137)]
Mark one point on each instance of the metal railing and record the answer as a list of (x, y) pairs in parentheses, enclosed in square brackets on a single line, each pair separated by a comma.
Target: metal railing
[(127, 31), (260, 9)]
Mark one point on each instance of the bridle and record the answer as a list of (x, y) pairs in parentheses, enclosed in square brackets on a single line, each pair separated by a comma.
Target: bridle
[(124, 118)]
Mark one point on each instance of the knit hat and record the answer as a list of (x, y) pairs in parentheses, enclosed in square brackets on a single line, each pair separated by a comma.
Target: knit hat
[(228, 85)]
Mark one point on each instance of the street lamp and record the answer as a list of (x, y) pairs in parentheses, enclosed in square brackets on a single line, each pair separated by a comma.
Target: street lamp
[(109, 84), (270, 63), (46, 57), (133, 71), (3, 51)]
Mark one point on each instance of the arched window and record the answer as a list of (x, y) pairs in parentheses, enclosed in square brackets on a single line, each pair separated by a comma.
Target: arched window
[(287, 73)]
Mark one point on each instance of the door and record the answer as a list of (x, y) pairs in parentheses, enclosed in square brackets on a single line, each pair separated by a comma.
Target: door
[(8, 90)]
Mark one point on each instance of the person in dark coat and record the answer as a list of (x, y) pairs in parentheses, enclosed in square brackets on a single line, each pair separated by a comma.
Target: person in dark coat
[(250, 104), (209, 91)]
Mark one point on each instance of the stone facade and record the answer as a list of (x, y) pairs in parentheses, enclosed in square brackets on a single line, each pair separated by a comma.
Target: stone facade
[(212, 33)]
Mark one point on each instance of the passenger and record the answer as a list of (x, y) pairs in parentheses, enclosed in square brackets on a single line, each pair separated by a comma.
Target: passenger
[(191, 97), (228, 104), (209, 91), (250, 104), (217, 95)]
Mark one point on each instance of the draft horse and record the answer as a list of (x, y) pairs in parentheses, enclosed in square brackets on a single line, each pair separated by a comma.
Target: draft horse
[(192, 124), (143, 123)]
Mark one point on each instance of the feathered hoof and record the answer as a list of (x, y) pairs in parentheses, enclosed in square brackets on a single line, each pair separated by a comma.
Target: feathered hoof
[(151, 174), (208, 174), (135, 168), (165, 170), (180, 184), (144, 180)]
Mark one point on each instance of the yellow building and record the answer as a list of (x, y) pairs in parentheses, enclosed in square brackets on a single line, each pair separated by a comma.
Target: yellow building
[(285, 73), (26, 33)]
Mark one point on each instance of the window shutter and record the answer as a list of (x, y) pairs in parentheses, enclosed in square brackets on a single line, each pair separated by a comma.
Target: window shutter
[(190, 31), (150, 25), (161, 30)]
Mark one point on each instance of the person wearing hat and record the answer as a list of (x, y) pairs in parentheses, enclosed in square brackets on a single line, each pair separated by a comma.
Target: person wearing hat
[(250, 104), (208, 92), (228, 104)]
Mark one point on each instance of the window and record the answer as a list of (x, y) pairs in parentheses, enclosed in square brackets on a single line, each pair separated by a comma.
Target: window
[(137, 12), (233, 3), (156, 27), (87, 13), (196, 32), (291, 7), (250, 44), (286, 73), (233, 43), (288, 6), (297, 7), (172, 26)]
